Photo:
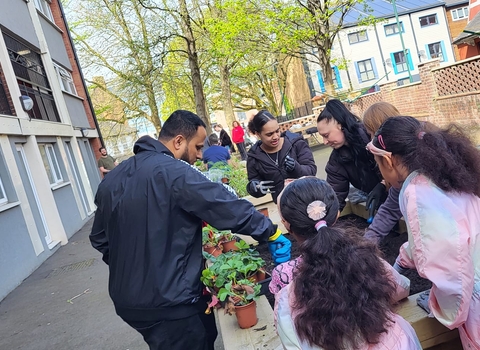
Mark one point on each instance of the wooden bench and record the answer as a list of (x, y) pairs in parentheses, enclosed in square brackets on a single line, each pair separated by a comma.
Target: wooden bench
[(431, 333), (261, 336)]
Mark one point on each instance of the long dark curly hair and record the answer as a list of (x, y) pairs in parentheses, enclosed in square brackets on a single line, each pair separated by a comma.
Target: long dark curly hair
[(446, 156), (343, 293)]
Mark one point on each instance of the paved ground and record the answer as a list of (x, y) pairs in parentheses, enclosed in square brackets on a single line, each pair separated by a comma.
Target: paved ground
[(44, 312)]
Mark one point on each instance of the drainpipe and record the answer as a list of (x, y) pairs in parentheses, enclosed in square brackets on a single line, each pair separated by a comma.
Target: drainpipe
[(381, 52), (343, 56), (401, 39), (81, 74), (414, 37)]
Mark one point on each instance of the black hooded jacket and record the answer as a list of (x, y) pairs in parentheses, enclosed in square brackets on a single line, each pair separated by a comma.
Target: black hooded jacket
[(148, 226), (345, 168), (261, 167)]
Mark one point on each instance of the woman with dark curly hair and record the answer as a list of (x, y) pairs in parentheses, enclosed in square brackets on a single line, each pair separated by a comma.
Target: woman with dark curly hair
[(438, 173), (343, 293), (349, 162)]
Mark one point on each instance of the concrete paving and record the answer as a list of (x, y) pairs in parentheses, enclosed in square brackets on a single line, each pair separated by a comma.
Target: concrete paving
[(65, 304), (38, 314)]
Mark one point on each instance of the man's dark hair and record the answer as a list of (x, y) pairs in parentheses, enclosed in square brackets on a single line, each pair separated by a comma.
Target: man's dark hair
[(100, 149), (213, 139), (180, 122)]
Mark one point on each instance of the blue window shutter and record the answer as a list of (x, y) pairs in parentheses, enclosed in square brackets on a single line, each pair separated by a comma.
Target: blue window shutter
[(358, 73), (394, 64), (409, 59), (374, 67), (320, 80), (337, 76), (428, 52), (444, 52)]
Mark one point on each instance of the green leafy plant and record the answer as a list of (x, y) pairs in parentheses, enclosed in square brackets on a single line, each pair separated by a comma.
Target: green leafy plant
[(238, 293)]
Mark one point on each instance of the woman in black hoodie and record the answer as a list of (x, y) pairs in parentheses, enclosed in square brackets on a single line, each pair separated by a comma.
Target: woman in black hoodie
[(350, 162), (275, 157)]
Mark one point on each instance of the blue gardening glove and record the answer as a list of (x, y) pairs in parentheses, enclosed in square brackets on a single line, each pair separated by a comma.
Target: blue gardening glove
[(422, 301), (401, 270), (289, 164), (279, 247), (376, 197), (262, 187)]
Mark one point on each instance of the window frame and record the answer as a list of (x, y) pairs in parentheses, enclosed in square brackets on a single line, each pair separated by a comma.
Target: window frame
[(3, 200), (54, 166), (65, 78), (359, 63), (402, 63), (441, 53), (393, 25), (464, 16), (427, 17), (357, 35), (44, 7)]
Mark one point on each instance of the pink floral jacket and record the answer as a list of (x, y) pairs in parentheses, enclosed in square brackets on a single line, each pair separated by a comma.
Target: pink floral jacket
[(444, 246)]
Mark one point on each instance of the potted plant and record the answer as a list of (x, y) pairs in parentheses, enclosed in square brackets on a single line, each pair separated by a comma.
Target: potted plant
[(228, 241), (240, 299), (210, 242)]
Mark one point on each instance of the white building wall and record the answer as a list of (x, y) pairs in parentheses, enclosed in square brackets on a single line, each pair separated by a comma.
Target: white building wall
[(378, 44)]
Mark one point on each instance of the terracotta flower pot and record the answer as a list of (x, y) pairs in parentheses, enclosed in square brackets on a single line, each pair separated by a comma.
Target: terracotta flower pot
[(229, 245), (215, 251), (247, 315), (253, 278), (225, 180), (264, 211), (261, 275)]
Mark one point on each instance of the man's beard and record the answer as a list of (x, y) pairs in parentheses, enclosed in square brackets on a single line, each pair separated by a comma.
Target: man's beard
[(185, 157)]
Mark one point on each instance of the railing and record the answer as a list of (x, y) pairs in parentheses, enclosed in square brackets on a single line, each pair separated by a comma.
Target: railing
[(4, 105), (458, 78)]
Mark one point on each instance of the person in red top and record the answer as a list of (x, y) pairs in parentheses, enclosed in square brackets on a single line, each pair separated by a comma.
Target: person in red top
[(238, 138)]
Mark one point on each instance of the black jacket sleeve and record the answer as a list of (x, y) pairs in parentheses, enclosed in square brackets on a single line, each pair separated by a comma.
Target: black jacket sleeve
[(98, 238), (213, 203), (305, 161), (338, 179), (253, 175)]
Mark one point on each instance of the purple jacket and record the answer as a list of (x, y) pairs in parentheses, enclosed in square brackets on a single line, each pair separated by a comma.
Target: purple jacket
[(387, 216)]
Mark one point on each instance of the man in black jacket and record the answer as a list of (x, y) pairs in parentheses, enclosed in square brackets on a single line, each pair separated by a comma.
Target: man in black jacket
[(148, 227)]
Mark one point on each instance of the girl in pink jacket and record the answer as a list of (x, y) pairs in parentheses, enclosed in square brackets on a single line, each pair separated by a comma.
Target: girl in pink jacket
[(438, 172), (342, 293)]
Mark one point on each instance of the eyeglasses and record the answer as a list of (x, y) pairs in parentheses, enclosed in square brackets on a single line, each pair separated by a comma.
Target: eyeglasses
[(377, 151)]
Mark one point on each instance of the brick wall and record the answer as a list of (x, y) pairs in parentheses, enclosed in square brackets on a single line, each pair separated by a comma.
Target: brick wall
[(77, 78), (444, 95)]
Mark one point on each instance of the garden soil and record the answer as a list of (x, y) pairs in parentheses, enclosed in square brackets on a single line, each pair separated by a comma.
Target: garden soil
[(390, 247)]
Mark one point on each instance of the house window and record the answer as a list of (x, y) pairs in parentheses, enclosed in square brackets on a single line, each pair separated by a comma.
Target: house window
[(391, 29), (435, 51), (460, 13), (65, 79), (400, 61), (44, 7), (428, 20), (51, 164), (3, 194), (336, 80), (357, 37), (366, 70)]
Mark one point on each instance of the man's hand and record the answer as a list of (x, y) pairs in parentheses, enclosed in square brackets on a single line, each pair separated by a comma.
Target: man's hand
[(289, 164), (374, 199), (261, 186), (279, 247)]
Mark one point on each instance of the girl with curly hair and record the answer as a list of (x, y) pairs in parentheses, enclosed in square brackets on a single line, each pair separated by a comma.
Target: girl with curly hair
[(438, 174), (342, 293)]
